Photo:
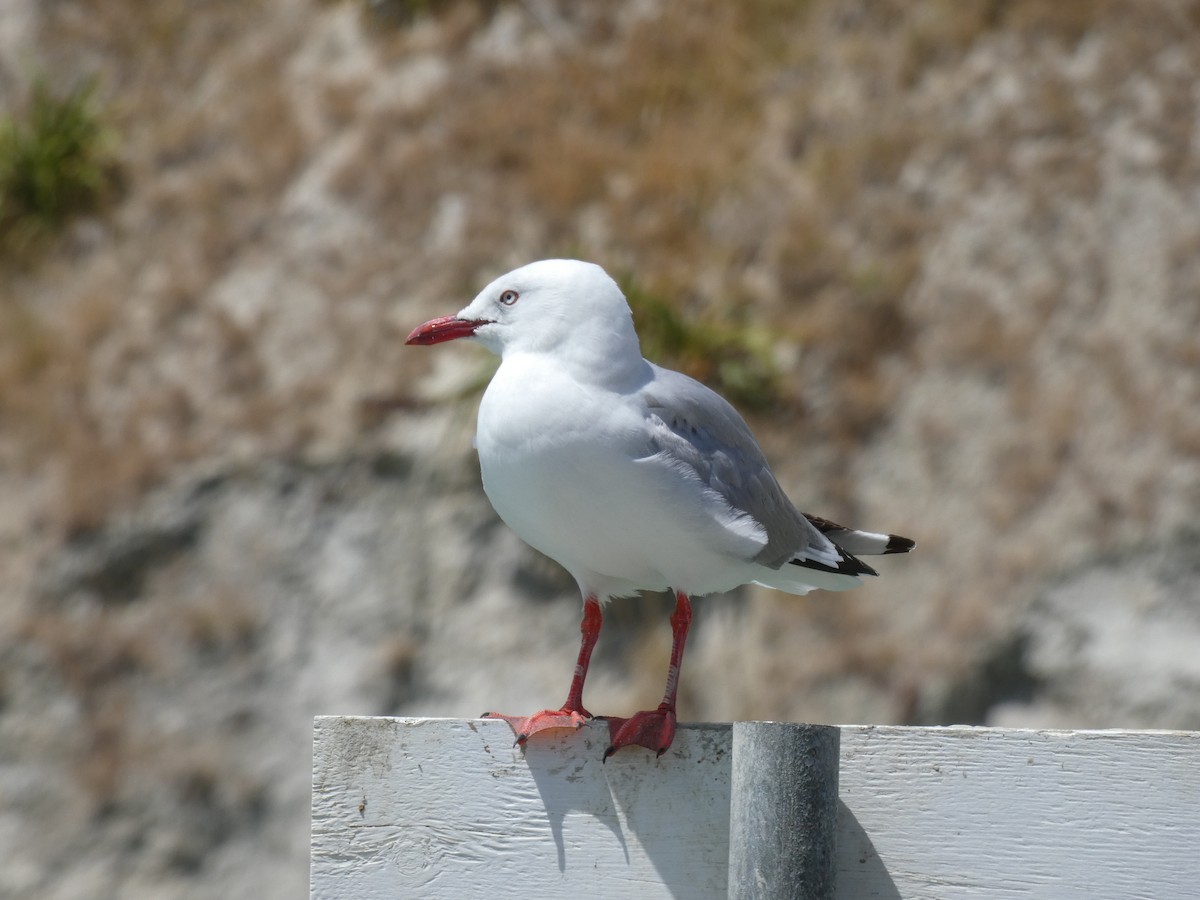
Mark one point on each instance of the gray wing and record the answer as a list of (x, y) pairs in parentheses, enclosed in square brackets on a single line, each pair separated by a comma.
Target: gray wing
[(698, 428)]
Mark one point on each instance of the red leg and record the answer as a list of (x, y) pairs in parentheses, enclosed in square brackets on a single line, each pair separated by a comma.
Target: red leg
[(654, 729), (572, 714)]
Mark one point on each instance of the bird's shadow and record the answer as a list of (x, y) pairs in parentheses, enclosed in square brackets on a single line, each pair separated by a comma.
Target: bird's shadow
[(569, 784), (636, 794), (668, 816)]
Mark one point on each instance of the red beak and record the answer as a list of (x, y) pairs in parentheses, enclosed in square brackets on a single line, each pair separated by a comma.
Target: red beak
[(447, 328)]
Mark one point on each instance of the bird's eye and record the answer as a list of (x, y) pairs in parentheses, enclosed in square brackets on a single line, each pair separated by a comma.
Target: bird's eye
[(508, 298)]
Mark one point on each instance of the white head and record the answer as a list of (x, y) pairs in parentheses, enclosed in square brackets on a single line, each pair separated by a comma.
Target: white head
[(564, 307)]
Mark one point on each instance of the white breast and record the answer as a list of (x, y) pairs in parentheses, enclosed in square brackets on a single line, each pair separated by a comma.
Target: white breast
[(570, 468)]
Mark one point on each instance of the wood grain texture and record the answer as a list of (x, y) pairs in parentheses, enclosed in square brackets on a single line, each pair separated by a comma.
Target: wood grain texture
[(439, 808), (451, 809), (949, 813)]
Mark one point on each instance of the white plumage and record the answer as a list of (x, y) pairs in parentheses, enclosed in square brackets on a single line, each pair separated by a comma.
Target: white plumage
[(632, 476)]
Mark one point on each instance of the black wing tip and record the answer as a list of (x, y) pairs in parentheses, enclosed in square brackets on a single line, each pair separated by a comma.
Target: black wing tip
[(863, 568), (898, 544), (847, 565)]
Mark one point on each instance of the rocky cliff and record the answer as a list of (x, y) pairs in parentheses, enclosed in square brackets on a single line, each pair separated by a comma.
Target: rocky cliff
[(946, 256)]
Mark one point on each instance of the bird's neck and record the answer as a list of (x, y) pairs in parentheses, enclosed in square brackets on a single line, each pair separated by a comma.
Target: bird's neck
[(616, 365), (610, 359)]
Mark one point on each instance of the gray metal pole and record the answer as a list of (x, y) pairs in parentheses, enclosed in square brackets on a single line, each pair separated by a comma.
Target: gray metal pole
[(783, 811)]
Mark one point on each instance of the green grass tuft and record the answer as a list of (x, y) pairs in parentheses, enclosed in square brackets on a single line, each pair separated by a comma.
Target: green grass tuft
[(56, 161), (732, 359)]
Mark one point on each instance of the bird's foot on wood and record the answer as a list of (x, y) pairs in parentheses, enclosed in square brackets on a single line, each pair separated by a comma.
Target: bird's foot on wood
[(525, 726), (653, 729)]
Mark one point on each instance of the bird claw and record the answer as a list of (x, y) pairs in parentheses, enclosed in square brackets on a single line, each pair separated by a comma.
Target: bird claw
[(653, 729), (525, 727)]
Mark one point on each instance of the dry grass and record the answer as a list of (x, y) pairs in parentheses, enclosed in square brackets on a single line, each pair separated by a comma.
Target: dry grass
[(643, 127), (751, 162), (640, 152), (104, 652), (638, 142), (82, 374)]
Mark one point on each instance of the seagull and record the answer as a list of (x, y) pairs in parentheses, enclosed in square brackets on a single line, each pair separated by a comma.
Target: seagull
[(633, 477)]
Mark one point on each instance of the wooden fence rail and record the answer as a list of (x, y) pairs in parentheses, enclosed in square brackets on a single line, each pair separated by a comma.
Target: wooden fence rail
[(447, 808)]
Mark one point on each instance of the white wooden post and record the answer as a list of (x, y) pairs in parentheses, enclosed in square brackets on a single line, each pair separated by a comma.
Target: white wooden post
[(439, 808)]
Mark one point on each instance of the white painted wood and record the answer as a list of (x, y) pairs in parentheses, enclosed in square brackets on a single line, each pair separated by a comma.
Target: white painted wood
[(946, 813), (449, 809)]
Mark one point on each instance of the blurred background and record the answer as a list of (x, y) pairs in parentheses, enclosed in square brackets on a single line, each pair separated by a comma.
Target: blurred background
[(944, 254)]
